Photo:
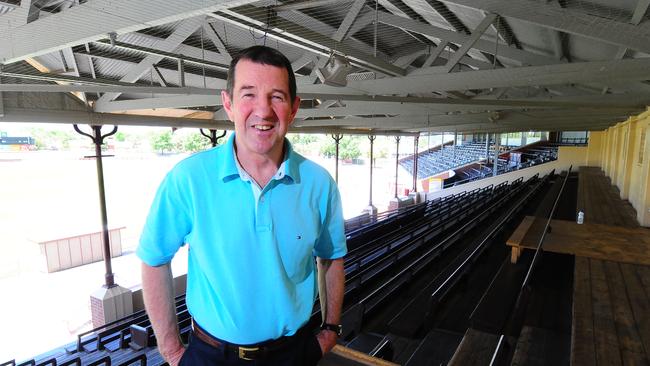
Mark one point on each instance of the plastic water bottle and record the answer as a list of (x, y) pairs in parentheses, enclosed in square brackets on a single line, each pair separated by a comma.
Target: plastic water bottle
[(581, 217)]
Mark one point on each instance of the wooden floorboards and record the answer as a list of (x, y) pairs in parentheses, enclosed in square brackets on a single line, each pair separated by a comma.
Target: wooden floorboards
[(611, 308), (537, 346), (600, 202)]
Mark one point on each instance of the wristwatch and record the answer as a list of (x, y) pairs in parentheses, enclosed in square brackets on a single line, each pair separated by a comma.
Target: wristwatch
[(336, 328)]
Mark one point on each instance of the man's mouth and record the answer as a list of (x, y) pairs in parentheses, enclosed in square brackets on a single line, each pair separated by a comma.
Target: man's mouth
[(263, 127)]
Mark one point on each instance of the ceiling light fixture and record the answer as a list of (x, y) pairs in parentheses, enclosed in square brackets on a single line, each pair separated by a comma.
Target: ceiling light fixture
[(335, 71)]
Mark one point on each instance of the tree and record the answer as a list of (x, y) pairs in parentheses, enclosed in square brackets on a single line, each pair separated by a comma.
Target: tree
[(120, 136), (348, 148), (384, 146), (302, 138), (162, 141), (50, 139), (304, 143), (328, 149), (194, 142)]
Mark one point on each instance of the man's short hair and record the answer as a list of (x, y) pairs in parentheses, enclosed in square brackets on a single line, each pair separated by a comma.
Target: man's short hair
[(265, 56)]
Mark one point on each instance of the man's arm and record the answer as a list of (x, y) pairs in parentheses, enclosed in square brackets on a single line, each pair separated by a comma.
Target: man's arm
[(158, 295), (332, 299)]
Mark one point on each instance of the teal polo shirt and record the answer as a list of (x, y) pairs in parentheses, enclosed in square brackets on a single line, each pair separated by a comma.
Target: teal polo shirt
[(251, 270)]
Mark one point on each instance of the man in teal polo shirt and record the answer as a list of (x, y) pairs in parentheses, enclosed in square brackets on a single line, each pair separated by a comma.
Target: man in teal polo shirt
[(254, 213)]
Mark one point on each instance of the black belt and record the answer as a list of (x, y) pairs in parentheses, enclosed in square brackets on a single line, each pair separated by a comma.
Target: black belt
[(245, 352)]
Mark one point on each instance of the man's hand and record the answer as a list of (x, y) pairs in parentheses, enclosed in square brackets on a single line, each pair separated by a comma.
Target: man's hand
[(174, 357), (327, 340)]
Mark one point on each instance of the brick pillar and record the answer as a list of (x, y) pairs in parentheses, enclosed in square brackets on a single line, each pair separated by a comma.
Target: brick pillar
[(110, 304)]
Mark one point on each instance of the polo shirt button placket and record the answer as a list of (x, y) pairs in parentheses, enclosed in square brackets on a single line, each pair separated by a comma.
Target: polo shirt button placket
[(263, 219)]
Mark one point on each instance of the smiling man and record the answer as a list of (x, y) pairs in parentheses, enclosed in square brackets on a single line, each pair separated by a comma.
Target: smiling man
[(254, 214)]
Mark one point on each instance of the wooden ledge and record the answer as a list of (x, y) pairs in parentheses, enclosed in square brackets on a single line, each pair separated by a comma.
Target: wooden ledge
[(341, 355), (614, 243)]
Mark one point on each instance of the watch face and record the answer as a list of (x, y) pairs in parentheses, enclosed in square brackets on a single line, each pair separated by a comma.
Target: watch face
[(337, 329)]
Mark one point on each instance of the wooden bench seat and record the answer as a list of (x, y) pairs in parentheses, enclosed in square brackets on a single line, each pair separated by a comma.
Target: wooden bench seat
[(476, 348), (538, 347), (437, 348)]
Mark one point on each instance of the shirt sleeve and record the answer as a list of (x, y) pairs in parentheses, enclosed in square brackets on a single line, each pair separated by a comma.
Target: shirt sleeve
[(331, 242), (168, 223)]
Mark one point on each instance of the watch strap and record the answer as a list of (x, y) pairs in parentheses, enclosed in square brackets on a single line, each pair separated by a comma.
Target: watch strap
[(336, 328)]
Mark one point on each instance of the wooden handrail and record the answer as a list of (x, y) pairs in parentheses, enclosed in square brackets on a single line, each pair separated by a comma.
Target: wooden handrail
[(360, 357)]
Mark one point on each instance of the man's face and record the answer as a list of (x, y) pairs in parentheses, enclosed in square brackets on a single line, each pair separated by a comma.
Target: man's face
[(261, 108)]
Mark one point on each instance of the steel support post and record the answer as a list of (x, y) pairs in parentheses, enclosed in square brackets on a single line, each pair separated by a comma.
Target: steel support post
[(214, 139), (495, 163), (337, 140), (98, 140), (397, 138), (416, 140), (372, 143)]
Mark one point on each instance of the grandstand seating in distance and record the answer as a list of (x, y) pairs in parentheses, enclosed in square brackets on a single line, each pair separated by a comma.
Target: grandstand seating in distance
[(435, 161), (470, 163)]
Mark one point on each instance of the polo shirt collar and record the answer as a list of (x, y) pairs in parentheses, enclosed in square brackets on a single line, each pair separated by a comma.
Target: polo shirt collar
[(290, 162), (229, 167)]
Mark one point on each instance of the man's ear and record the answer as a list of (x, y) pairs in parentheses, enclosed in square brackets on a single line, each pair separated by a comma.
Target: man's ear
[(294, 107), (227, 103)]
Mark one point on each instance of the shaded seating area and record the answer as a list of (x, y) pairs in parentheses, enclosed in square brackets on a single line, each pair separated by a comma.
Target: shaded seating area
[(407, 329), (516, 304)]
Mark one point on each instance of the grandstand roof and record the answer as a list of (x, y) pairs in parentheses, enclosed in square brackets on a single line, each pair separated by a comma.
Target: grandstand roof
[(407, 65)]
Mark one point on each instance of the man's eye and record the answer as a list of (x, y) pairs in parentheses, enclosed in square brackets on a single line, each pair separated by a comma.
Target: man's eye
[(278, 97), (248, 95)]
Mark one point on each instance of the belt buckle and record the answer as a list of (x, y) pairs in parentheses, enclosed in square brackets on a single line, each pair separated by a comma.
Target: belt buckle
[(243, 350)]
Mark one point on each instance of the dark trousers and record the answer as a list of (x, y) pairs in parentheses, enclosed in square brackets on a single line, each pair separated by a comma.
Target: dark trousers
[(303, 350)]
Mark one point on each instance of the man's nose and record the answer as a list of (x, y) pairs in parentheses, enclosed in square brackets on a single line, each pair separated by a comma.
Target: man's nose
[(263, 107)]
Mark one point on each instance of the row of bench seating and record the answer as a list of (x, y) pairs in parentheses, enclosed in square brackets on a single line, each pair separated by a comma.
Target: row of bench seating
[(421, 308), (444, 282), (382, 255), (497, 320), (134, 333), (353, 316)]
